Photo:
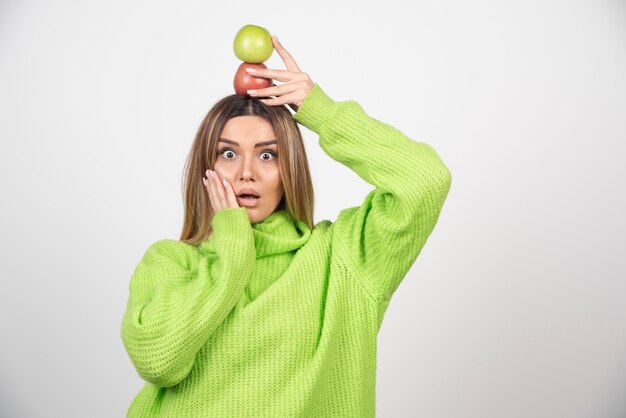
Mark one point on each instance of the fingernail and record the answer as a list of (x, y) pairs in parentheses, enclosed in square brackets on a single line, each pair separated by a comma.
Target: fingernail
[(251, 70), (225, 183), (251, 91)]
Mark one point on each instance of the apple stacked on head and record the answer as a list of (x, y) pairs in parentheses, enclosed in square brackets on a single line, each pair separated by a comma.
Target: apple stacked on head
[(253, 45)]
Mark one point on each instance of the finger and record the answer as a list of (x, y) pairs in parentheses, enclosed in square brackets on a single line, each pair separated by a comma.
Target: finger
[(212, 197), (280, 75), (230, 195), (216, 196), (275, 90), (219, 189), (285, 99), (290, 63)]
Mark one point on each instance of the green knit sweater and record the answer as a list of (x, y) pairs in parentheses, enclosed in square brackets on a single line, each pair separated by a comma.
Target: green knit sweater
[(274, 319)]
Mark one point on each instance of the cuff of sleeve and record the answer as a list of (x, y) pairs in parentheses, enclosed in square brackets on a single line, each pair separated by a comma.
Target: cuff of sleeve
[(230, 221), (231, 227), (316, 109)]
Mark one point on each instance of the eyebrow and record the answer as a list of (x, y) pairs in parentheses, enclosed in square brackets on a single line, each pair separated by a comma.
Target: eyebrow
[(260, 144)]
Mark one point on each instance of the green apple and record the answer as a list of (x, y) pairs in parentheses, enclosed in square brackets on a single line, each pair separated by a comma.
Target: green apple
[(253, 44)]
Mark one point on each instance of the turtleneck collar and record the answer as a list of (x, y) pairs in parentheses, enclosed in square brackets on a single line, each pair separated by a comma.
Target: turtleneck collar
[(276, 234)]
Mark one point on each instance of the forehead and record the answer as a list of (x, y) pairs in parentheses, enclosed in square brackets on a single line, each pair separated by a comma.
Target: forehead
[(248, 130)]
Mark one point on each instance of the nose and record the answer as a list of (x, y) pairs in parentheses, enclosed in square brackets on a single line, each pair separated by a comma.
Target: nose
[(246, 169)]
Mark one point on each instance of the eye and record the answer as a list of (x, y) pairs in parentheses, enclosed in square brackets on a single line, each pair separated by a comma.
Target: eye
[(269, 152), (229, 154), (225, 150)]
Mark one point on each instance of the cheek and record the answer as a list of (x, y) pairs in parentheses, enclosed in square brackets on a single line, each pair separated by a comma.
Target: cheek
[(279, 190), (221, 170), (278, 185)]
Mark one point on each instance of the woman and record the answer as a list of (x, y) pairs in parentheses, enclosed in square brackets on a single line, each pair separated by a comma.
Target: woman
[(256, 312)]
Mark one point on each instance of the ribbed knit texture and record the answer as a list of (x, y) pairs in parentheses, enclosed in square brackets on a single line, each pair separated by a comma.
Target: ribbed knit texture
[(276, 320)]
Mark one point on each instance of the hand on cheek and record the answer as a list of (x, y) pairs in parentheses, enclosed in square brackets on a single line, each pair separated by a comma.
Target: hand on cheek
[(220, 192)]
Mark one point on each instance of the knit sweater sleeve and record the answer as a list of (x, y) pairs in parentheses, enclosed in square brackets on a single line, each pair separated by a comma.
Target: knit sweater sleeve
[(383, 236), (178, 298)]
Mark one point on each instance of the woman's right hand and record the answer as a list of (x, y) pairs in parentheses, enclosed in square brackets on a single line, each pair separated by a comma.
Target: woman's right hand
[(297, 84), (221, 193)]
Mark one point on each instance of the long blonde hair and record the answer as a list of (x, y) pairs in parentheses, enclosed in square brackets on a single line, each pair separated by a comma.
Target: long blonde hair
[(293, 166)]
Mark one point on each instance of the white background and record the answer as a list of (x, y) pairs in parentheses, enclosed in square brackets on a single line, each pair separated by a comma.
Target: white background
[(516, 305)]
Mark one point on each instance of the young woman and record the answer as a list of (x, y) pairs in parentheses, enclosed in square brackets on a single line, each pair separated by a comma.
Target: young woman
[(255, 311)]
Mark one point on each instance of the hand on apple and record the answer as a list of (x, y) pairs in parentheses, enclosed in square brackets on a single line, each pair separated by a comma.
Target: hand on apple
[(296, 87)]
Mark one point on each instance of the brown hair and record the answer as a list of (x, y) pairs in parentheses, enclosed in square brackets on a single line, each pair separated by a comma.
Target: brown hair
[(293, 166)]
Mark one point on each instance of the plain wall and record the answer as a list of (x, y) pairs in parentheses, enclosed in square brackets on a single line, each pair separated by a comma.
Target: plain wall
[(516, 305)]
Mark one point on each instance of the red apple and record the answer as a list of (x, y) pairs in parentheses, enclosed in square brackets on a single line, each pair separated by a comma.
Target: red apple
[(245, 81)]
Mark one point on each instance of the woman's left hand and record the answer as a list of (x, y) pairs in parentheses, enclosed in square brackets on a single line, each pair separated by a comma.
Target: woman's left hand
[(296, 87)]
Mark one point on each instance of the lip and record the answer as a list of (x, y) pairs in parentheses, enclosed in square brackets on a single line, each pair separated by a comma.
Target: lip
[(248, 202), (248, 191)]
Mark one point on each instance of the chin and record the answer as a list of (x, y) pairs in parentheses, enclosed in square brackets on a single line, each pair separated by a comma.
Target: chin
[(254, 217)]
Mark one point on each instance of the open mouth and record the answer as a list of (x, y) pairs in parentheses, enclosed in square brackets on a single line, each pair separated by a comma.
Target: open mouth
[(248, 200)]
